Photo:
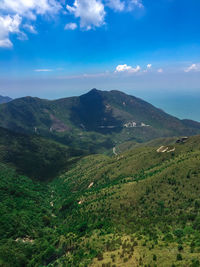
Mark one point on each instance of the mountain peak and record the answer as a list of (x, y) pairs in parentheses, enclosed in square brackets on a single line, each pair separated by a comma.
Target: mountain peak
[(94, 91)]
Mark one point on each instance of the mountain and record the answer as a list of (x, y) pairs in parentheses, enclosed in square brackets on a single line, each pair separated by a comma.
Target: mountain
[(5, 99), (96, 120), (139, 208)]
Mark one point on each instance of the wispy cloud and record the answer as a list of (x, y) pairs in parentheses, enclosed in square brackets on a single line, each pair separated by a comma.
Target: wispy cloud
[(43, 70), (125, 5), (30, 28), (85, 76), (117, 5), (71, 26)]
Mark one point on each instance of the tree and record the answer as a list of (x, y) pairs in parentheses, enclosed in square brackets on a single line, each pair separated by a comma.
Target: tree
[(179, 257)]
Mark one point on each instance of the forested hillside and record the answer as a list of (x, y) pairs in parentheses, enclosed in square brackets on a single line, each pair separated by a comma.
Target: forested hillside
[(140, 208)]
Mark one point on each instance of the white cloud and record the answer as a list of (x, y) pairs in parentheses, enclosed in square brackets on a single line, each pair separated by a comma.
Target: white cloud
[(160, 70), (8, 24), (91, 13), (121, 68), (71, 26), (126, 68), (193, 67), (149, 66), (43, 70)]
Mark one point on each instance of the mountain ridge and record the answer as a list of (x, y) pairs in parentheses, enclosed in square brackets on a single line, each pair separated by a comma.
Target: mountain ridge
[(108, 115)]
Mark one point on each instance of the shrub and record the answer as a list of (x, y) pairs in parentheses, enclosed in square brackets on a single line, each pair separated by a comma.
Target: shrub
[(154, 257)]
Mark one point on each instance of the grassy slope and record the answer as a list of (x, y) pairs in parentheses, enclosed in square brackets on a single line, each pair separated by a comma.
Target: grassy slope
[(139, 208)]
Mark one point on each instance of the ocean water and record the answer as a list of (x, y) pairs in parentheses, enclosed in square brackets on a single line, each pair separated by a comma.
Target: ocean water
[(180, 105)]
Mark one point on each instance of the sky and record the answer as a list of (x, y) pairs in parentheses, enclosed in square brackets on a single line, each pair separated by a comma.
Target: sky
[(147, 48)]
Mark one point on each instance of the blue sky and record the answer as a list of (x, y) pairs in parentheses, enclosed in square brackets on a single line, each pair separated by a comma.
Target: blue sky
[(52, 49)]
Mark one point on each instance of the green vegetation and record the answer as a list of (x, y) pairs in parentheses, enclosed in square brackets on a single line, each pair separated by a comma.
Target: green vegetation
[(139, 208)]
